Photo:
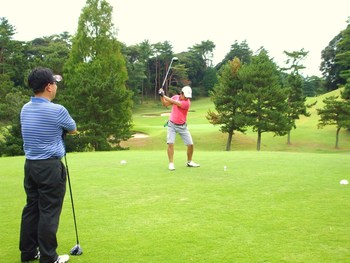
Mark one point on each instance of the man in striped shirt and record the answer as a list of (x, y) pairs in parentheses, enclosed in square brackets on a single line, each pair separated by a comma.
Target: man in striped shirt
[(43, 123)]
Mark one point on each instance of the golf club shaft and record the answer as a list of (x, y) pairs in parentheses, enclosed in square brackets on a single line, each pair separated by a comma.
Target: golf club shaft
[(166, 75), (71, 198)]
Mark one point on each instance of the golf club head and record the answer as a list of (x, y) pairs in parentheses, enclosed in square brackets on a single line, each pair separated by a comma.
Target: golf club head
[(174, 59), (76, 250)]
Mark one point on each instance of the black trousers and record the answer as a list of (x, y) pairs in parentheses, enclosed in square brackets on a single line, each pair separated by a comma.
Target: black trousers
[(45, 187)]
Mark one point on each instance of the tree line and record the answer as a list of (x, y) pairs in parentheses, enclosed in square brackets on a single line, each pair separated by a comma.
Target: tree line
[(104, 78)]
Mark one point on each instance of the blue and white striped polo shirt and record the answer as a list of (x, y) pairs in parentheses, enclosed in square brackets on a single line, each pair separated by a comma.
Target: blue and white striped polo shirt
[(42, 124)]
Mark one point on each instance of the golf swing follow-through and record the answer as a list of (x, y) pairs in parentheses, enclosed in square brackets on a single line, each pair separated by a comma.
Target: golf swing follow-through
[(178, 121)]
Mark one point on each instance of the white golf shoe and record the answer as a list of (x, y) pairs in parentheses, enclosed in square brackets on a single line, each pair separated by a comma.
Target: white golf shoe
[(171, 166), (62, 259), (192, 164)]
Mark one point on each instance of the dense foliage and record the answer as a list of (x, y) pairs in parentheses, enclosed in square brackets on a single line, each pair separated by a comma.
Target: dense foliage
[(103, 78), (335, 65), (95, 75)]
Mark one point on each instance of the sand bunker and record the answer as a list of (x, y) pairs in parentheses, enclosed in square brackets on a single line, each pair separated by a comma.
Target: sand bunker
[(140, 135), (148, 115)]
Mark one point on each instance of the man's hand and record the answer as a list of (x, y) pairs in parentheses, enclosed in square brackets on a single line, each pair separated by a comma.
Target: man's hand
[(161, 92)]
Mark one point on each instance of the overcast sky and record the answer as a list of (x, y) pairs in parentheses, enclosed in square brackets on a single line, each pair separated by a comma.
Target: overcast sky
[(277, 25)]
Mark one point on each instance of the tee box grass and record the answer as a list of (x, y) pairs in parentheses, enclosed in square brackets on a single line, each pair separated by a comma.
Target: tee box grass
[(266, 207)]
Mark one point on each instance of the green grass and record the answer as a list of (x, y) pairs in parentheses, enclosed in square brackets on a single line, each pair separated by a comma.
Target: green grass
[(267, 207), (282, 204)]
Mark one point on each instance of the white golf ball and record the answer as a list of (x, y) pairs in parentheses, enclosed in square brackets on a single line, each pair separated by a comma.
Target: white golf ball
[(225, 168), (344, 181), (122, 162)]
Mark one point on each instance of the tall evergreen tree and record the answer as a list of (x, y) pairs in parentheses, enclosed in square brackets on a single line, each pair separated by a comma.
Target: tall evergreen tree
[(229, 100), (6, 45), (12, 54), (268, 100), (294, 82), (95, 76)]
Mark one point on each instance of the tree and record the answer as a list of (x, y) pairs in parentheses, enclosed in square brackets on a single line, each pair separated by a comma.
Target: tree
[(95, 76), (6, 44), (209, 80), (190, 69), (136, 71), (195, 68), (12, 95), (12, 54), (11, 102), (229, 100), (342, 56), (335, 65), (335, 112), (268, 109), (135, 81), (50, 51), (313, 86), (146, 52), (239, 50), (163, 55), (12, 145), (294, 82), (205, 50)]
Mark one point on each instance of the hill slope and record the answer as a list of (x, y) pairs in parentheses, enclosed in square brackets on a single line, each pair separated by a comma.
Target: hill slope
[(150, 118)]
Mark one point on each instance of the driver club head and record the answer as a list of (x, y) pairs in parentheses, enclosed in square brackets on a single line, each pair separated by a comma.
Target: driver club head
[(76, 250)]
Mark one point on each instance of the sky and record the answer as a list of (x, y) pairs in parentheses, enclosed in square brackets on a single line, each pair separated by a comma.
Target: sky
[(276, 25)]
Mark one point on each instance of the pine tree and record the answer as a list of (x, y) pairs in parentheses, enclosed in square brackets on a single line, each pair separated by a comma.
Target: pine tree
[(268, 100), (95, 76), (294, 82), (229, 100), (335, 112)]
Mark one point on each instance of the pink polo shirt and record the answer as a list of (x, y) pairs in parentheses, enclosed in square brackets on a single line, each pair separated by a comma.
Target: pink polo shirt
[(179, 113)]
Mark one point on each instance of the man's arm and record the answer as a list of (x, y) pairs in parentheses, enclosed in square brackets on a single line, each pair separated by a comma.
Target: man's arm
[(68, 124), (166, 101), (73, 131)]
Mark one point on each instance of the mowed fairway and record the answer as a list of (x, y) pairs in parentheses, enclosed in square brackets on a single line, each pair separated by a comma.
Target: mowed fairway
[(267, 207)]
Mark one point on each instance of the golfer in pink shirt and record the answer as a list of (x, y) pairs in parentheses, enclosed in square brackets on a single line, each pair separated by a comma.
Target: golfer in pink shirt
[(177, 123)]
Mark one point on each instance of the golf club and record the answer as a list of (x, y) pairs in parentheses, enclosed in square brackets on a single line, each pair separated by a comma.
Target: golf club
[(76, 250), (166, 75)]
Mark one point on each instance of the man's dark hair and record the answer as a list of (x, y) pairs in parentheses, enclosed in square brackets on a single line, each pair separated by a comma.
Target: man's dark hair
[(39, 78)]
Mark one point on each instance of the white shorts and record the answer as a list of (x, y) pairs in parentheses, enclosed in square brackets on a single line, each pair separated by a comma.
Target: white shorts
[(181, 130)]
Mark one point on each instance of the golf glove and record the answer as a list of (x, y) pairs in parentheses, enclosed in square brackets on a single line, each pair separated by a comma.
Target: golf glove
[(161, 92)]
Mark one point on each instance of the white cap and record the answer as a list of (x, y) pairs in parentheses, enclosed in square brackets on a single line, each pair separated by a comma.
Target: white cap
[(187, 91)]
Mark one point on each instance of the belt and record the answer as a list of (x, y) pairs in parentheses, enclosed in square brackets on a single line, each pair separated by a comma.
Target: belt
[(177, 123), (51, 158), (54, 158)]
